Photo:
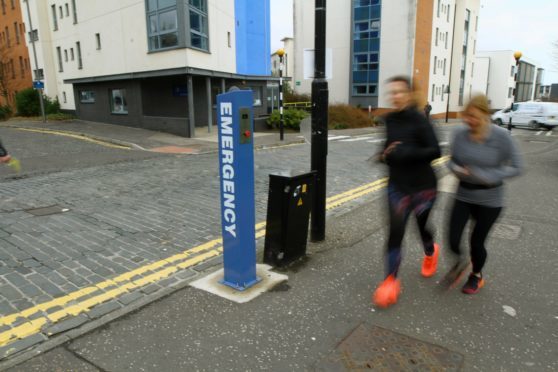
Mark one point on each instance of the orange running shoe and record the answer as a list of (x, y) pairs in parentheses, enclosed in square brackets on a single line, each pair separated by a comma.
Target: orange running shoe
[(430, 263), (386, 294)]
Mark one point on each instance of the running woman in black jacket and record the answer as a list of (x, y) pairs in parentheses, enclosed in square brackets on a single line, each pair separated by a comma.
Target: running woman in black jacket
[(411, 145)]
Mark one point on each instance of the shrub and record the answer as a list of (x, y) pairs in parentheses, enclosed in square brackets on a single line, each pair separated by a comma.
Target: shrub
[(291, 118), (346, 116), (291, 96), (51, 106), (5, 112), (28, 103)]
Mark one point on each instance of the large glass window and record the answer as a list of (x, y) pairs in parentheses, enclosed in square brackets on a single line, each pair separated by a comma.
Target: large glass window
[(118, 103), (198, 24), (366, 47), (162, 19), (87, 96)]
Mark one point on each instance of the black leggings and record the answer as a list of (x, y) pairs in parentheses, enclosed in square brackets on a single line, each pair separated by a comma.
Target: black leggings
[(484, 218)]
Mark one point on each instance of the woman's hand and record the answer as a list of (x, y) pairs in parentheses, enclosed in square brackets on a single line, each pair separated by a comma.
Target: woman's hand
[(390, 148), (5, 159)]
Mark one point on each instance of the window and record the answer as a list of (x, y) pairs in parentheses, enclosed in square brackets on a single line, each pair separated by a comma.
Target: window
[(257, 93), (448, 14), (476, 23), (7, 36), (433, 93), (64, 97), (435, 64), (512, 71), (446, 40), (16, 29), (59, 54), (366, 47), (198, 24), (12, 68), (445, 66), (98, 41), (87, 96), (21, 66), (443, 91), (61, 12), (472, 68), (229, 39), (78, 50), (33, 35), (438, 10), (54, 18), (13, 4), (74, 11), (3, 6), (118, 103), (39, 74), (72, 54), (437, 32), (162, 19), (65, 55), (67, 10)]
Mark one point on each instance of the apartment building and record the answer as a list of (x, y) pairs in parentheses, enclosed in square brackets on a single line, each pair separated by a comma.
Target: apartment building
[(15, 70), (156, 64), (288, 65), (433, 41), (495, 76)]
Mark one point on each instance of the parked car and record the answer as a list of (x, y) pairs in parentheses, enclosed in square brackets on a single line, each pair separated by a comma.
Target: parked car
[(535, 115), (501, 117)]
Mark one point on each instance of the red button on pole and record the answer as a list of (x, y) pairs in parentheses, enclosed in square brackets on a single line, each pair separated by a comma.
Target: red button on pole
[(247, 134)]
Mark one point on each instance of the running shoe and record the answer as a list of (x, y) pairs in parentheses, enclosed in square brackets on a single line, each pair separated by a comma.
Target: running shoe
[(454, 276), (473, 284), (430, 263), (386, 294)]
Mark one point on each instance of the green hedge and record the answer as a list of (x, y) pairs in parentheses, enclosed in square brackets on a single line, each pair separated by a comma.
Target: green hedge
[(291, 118), (5, 112), (28, 103)]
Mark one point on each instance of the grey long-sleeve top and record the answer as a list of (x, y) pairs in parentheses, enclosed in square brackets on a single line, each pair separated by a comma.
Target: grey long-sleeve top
[(489, 164)]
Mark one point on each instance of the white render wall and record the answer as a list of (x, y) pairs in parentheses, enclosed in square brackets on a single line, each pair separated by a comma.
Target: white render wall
[(122, 27), (338, 38), (480, 75), (500, 77), (397, 43), (441, 54), (474, 7)]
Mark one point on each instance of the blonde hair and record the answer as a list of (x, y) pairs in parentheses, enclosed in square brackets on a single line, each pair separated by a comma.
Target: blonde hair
[(479, 102)]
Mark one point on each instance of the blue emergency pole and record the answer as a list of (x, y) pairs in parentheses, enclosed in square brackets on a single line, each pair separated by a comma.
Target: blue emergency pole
[(236, 168)]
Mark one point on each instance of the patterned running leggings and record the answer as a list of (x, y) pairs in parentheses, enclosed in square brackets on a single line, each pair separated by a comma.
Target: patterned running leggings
[(400, 206)]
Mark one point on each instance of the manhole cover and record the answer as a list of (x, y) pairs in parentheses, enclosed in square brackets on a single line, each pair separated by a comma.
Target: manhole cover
[(378, 349), (46, 211), (509, 232)]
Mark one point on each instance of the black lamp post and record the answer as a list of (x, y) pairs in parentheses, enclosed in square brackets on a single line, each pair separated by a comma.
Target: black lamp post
[(517, 56), (320, 96)]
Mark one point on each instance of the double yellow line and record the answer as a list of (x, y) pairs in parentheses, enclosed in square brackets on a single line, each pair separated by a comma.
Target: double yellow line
[(83, 300)]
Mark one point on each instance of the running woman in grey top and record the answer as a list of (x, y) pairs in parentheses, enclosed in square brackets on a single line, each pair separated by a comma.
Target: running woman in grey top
[(482, 157)]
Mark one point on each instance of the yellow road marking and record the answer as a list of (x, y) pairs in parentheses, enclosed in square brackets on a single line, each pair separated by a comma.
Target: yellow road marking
[(157, 271), (76, 136)]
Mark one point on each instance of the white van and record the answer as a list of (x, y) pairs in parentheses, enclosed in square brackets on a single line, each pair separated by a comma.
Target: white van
[(535, 115)]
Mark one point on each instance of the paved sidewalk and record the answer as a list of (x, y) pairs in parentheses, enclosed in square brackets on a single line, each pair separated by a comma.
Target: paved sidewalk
[(509, 326)]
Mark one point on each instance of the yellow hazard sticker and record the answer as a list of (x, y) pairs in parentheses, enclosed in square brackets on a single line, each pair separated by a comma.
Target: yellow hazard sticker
[(304, 189), (299, 202)]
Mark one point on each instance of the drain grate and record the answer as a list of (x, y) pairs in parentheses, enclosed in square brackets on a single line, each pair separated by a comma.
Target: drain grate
[(46, 211), (379, 349)]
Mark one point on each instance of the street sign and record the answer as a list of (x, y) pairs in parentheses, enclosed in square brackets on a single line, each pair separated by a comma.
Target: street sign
[(38, 84), (236, 169), (308, 60)]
